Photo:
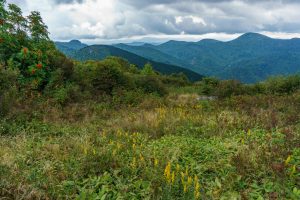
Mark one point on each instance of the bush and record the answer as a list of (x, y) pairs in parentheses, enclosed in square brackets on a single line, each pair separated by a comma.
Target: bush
[(283, 85), (228, 88), (150, 85), (8, 89), (59, 61), (107, 77), (179, 79), (209, 85), (66, 94)]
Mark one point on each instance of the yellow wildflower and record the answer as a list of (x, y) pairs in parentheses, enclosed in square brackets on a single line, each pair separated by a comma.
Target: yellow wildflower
[(190, 180), (133, 163), (173, 177), (288, 160), (196, 179), (197, 188), (182, 177), (177, 167), (85, 151), (118, 145), (186, 171), (142, 158), (156, 162), (249, 132), (167, 172), (293, 169), (185, 188)]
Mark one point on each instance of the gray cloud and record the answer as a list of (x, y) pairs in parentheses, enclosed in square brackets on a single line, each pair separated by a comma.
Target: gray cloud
[(68, 1), (115, 19)]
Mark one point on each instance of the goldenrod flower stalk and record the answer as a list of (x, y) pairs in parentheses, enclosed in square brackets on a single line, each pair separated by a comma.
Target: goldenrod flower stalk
[(85, 151), (249, 132), (177, 167), (167, 172), (133, 163), (196, 179), (186, 171), (118, 146), (293, 170), (173, 177), (190, 180), (142, 158), (288, 160), (197, 187), (185, 188), (119, 133), (182, 178)]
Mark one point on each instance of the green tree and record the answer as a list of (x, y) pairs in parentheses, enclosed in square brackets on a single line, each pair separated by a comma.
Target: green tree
[(17, 23), (148, 70), (37, 28)]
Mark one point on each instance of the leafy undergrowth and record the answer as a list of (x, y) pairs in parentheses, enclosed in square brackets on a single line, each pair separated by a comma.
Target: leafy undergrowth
[(239, 148)]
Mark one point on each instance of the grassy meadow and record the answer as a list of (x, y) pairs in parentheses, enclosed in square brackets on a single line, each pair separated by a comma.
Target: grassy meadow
[(243, 147)]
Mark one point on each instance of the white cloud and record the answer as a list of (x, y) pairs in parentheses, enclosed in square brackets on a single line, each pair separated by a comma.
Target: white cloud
[(118, 20)]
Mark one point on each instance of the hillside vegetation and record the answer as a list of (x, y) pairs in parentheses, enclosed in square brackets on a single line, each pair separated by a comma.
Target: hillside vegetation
[(109, 130), (100, 52)]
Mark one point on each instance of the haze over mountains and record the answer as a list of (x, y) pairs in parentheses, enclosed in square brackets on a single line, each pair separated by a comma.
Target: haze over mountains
[(250, 58)]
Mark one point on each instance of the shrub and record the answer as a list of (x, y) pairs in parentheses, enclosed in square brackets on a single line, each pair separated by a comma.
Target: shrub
[(59, 61), (283, 85), (8, 89), (66, 93), (107, 76), (179, 79), (209, 85), (228, 88), (151, 84), (148, 70)]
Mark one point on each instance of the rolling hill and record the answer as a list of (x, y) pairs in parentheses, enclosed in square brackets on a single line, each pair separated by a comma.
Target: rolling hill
[(250, 58), (99, 52)]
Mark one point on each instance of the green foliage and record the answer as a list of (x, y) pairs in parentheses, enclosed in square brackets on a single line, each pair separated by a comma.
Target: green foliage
[(107, 77), (209, 84), (148, 70), (283, 85), (228, 88), (100, 52), (25, 45), (8, 89), (38, 30), (151, 84), (276, 85)]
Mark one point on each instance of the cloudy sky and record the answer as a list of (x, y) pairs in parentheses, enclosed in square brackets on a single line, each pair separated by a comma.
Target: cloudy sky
[(111, 21)]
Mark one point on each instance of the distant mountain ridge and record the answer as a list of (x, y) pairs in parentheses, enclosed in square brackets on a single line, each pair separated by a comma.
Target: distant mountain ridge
[(100, 52), (70, 48), (249, 58)]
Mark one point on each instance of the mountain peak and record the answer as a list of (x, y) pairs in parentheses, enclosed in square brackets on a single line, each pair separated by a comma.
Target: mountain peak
[(252, 36), (75, 42)]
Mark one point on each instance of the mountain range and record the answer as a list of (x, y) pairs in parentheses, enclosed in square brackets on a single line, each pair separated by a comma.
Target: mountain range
[(250, 58), (99, 52)]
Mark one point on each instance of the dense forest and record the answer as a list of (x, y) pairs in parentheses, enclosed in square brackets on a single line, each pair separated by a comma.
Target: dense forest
[(110, 129)]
